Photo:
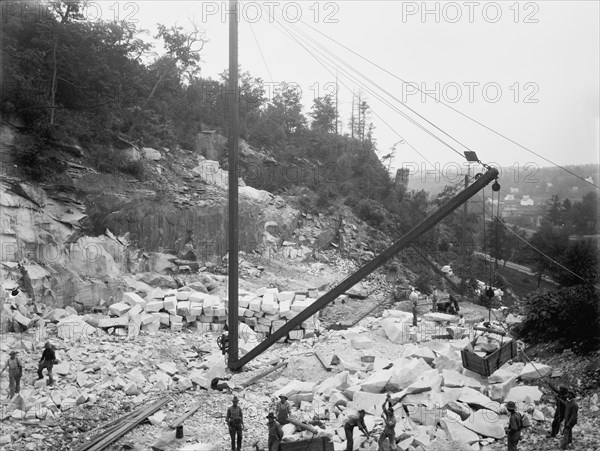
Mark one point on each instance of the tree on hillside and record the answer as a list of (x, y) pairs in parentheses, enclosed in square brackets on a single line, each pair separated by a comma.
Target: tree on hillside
[(581, 260), (584, 214), (324, 114), (286, 109), (183, 53)]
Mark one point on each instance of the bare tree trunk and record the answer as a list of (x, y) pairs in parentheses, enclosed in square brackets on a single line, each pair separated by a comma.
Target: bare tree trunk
[(145, 104), (53, 85)]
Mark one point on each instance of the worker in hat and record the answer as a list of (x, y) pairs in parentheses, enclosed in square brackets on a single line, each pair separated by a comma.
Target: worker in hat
[(282, 410), (571, 410), (559, 413), (47, 361), (235, 422), (413, 297), (389, 420), (351, 422), (515, 424), (275, 433), (15, 371)]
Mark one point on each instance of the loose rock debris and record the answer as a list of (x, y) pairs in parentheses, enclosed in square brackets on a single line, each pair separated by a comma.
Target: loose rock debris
[(105, 374)]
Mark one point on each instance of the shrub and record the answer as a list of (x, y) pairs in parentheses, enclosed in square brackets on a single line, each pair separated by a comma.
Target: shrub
[(570, 316), (38, 160), (370, 212)]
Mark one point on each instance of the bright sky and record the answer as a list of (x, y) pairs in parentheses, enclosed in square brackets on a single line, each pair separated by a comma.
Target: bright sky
[(529, 70)]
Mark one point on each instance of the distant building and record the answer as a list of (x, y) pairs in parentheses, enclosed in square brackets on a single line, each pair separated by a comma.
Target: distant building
[(514, 190), (590, 179), (509, 197), (526, 201), (575, 189)]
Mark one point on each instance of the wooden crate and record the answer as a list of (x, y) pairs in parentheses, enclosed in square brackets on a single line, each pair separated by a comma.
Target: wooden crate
[(491, 362), (314, 444)]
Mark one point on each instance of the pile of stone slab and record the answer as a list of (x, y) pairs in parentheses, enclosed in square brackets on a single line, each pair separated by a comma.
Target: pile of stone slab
[(269, 309), (438, 404), (264, 311)]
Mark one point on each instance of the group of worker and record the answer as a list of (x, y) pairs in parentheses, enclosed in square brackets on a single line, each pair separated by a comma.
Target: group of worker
[(566, 410), (281, 416), (235, 423), (15, 369)]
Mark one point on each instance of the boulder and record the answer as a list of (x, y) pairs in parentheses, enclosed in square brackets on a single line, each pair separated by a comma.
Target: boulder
[(456, 431), (297, 391), (473, 397), (371, 402), (376, 382), (533, 372), (405, 372), (486, 423), (524, 393), (74, 328)]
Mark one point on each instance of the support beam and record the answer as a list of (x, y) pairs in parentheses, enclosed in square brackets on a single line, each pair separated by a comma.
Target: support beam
[(233, 186), (427, 224)]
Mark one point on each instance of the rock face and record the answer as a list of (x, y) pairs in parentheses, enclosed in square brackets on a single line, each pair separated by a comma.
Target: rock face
[(44, 228)]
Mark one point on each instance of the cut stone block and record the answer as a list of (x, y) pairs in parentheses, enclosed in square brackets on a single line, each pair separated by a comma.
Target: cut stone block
[(300, 305), (196, 309), (297, 391), (132, 299), (113, 322), (119, 309), (170, 303), (154, 306), (255, 304), (376, 382), (397, 332), (151, 327), (524, 393), (183, 295), (371, 402), (531, 372), (135, 310), (165, 318), (199, 297), (156, 293), (148, 318), (183, 307), (286, 296), (296, 334), (74, 328), (486, 423)]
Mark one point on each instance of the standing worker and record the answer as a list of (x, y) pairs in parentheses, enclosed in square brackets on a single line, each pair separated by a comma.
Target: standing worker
[(559, 413), (47, 361), (282, 410), (235, 422), (571, 409), (275, 433), (15, 371), (389, 420), (351, 422), (516, 422), (413, 297), (434, 300)]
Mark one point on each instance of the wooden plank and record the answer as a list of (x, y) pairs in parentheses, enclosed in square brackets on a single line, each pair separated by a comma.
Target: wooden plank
[(321, 358), (263, 374), (114, 433), (179, 421)]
